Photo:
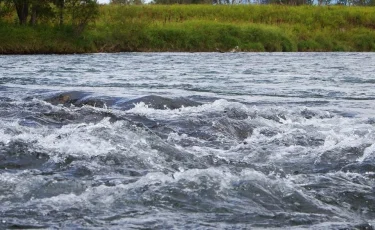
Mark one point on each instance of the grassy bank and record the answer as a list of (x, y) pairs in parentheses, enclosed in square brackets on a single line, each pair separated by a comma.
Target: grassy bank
[(203, 28)]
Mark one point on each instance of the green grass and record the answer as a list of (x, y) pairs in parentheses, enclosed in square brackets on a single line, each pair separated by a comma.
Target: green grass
[(311, 16), (17, 39), (194, 28)]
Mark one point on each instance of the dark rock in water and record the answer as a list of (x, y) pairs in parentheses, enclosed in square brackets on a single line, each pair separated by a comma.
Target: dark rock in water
[(80, 99), (77, 99), (67, 98), (158, 102)]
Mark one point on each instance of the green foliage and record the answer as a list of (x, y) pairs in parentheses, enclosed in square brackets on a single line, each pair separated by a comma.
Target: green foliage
[(312, 17), (289, 2), (17, 39), (222, 28), (164, 2), (364, 40), (22, 8), (127, 2), (200, 28), (5, 8), (82, 12), (40, 10)]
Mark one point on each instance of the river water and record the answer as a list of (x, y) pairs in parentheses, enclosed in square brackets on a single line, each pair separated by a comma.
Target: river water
[(188, 141)]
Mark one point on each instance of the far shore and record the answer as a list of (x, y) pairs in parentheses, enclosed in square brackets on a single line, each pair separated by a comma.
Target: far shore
[(201, 28)]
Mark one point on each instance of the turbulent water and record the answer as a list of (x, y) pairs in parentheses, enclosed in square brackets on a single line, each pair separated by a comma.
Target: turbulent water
[(188, 141)]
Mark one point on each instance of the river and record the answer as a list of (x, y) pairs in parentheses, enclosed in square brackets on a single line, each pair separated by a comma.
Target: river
[(188, 141)]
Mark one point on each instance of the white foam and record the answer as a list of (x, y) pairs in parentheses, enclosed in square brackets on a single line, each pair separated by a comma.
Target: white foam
[(368, 154), (217, 106)]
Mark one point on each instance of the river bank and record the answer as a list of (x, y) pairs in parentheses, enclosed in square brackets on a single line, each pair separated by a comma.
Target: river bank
[(202, 28)]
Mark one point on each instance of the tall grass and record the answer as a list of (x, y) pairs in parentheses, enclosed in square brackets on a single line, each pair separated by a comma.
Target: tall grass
[(203, 28), (196, 36), (309, 16), (16, 39)]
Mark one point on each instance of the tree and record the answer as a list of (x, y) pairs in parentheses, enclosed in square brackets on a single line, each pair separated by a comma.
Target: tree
[(22, 8), (5, 7), (60, 4), (185, 1), (82, 12), (32, 8), (127, 2), (290, 2), (40, 8)]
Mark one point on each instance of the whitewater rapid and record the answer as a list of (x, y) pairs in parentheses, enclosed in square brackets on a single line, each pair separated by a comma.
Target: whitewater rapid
[(187, 141)]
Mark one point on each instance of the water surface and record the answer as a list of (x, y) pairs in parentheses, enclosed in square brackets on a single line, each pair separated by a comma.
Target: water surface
[(188, 141)]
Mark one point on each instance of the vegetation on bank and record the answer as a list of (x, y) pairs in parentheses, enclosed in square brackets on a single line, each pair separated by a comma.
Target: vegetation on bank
[(195, 28)]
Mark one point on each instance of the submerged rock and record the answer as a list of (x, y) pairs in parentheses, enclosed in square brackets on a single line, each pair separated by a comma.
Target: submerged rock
[(78, 99), (158, 102), (67, 98)]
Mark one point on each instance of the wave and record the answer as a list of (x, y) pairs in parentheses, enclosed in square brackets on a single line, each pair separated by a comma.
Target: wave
[(136, 161)]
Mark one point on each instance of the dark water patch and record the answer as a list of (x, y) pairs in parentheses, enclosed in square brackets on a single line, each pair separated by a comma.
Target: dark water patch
[(57, 118), (366, 167), (5, 100), (345, 113), (364, 226), (269, 131), (339, 158), (371, 121), (233, 128), (308, 114), (25, 226), (159, 127), (277, 116), (349, 192), (67, 218), (358, 80), (203, 99), (177, 159), (20, 80), (51, 188), (19, 155), (236, 114), (7, 108), (252, 72), (215, 129), (363, 98), (360, 201)]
